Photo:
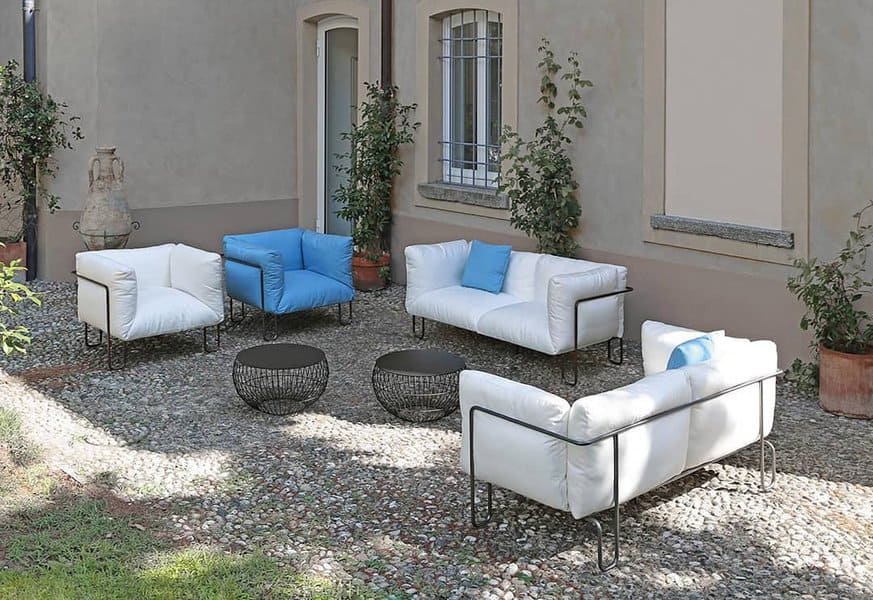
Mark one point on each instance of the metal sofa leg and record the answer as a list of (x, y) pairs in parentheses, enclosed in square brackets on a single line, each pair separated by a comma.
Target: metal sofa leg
[(414, 331), (109, 363), (339, 308), (231, 318), (215, 348), (473, 509), (90, 344), (270, 336), (610, 351), (616, 531)]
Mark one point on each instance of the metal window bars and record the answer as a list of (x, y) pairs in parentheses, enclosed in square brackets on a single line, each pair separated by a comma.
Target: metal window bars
[(472, 59), (766, 483)]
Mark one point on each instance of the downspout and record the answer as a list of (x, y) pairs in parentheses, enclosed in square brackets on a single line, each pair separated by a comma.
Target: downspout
[(386, 75), (28, 13)]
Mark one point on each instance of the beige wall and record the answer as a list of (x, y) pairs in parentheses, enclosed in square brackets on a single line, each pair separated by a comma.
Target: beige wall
[(10, 30), (609, 162)]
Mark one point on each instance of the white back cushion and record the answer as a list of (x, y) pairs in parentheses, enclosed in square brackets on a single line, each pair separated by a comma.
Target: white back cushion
[(724, 425), (510, 456), (521, 275), (648, 455), (549, 265), (659, 339), (151, 265), (434, 266)]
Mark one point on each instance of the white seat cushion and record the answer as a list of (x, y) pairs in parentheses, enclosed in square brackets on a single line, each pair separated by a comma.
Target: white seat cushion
[(161, 310), (648, 455), (457, 305), (525, 324)]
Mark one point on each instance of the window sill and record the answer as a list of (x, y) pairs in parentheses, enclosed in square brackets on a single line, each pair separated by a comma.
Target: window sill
[(727, 231), (463, 194)]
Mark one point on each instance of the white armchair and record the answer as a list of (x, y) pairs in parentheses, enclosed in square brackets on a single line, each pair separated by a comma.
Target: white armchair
[(144, 292)]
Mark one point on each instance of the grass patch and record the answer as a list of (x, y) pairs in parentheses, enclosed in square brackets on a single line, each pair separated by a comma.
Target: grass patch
[(13, 440)]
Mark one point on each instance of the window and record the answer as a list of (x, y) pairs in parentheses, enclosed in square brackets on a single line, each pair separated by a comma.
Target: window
[(472, 56)]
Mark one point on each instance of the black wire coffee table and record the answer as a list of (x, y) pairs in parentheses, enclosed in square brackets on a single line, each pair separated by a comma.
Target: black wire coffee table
[(418, 385), (280, 379)]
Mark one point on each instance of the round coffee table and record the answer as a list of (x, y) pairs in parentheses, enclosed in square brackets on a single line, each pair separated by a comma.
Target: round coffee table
[(280, 379), (418, 385)]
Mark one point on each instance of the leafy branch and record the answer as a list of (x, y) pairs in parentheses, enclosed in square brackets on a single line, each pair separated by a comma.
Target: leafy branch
[(14, 338)]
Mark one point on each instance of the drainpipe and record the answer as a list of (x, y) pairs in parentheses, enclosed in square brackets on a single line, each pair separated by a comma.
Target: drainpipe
[(28, 11), (386, 75)]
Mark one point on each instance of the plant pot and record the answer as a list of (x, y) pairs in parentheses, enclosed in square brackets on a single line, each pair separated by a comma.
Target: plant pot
[(367, 274), (13, 251), (846, 383)]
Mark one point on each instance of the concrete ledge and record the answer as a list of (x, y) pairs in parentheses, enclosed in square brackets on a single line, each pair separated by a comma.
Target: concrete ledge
[(463, 194), (727, 231)]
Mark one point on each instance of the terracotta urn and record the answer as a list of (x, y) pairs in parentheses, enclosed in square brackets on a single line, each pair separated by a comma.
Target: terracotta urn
[(13, 251), (106, 221), (846, 383), (367, 274)]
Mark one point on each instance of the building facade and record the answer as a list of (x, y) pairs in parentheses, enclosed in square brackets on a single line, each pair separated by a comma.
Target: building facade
[(725, 138)]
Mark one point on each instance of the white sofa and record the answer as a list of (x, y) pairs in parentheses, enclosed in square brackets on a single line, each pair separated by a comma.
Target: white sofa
[(664, 425), (137, 293), (539, 307)]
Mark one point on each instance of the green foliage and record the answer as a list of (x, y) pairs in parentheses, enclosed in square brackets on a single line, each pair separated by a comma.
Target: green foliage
[(13, 439), (32, 126), (371, 165), (14, 338), (830, 292), (537, 174)]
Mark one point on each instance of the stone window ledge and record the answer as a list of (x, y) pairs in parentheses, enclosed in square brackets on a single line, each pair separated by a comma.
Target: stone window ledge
[(728, 231), (464, 194)]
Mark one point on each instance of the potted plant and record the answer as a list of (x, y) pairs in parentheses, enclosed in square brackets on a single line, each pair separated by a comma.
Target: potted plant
[(370, 167), (842, 331), (13, 338), (537, 175), (33, 126)]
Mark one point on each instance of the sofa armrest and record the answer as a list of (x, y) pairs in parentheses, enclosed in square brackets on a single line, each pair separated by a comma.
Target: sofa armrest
[(434, 266), (198, 273), (586, 307), (523, 460), (107, 291), (253, 274), (328, 255)]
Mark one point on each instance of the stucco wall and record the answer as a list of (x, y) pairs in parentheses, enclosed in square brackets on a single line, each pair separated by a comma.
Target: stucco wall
[(10, 31), (608, 159)]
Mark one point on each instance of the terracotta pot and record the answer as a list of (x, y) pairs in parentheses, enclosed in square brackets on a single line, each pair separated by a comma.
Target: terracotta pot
[(846, 383), (13, 251), (367, 273)]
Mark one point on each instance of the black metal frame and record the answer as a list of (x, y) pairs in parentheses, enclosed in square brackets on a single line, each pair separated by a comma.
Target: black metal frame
[(265, 314), (765, 484), (414, 332), (610, 352), (109, 363)]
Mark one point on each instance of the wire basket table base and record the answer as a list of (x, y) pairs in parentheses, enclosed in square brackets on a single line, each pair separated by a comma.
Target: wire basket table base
[(280, 391), (416, 398)]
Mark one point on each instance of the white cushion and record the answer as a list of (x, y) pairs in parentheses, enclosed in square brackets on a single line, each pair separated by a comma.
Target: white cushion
[(510, 456), (121, 281), (648, 455), (151, 264), (659, 339), (521, 276), (524, 323), (162, 310), (433, 266), (457, 305), (598, 320), (200, 274), (548, 266), (724, 425)]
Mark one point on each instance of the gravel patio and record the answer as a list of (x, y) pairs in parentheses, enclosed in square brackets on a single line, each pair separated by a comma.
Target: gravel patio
[(347, 491)]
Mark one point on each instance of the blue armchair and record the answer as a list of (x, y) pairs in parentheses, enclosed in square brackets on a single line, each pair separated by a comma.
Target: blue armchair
[(288, 270)]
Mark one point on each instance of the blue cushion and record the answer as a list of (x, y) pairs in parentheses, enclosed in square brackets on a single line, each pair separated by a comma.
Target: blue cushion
[(691, 352), (308, 289), (244, 281), (328, 255), (486, 267), (287, 242)]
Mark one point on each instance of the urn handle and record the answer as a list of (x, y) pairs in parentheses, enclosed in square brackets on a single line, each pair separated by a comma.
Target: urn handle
[(94, 160), (119, 174)]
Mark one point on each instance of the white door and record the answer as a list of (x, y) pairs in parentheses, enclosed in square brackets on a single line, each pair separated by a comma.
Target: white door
[(337, 110)]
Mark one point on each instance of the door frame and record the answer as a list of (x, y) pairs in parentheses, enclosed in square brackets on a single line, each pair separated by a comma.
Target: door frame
[(325, 25)]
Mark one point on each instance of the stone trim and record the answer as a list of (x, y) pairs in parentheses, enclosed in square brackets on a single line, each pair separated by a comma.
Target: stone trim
[(728, 231), (464, 194)]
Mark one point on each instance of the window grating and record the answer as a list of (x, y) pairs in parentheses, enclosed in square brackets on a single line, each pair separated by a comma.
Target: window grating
[(472, 59)]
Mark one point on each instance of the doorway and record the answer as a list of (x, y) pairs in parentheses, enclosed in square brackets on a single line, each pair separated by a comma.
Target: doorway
[(337, 50)]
